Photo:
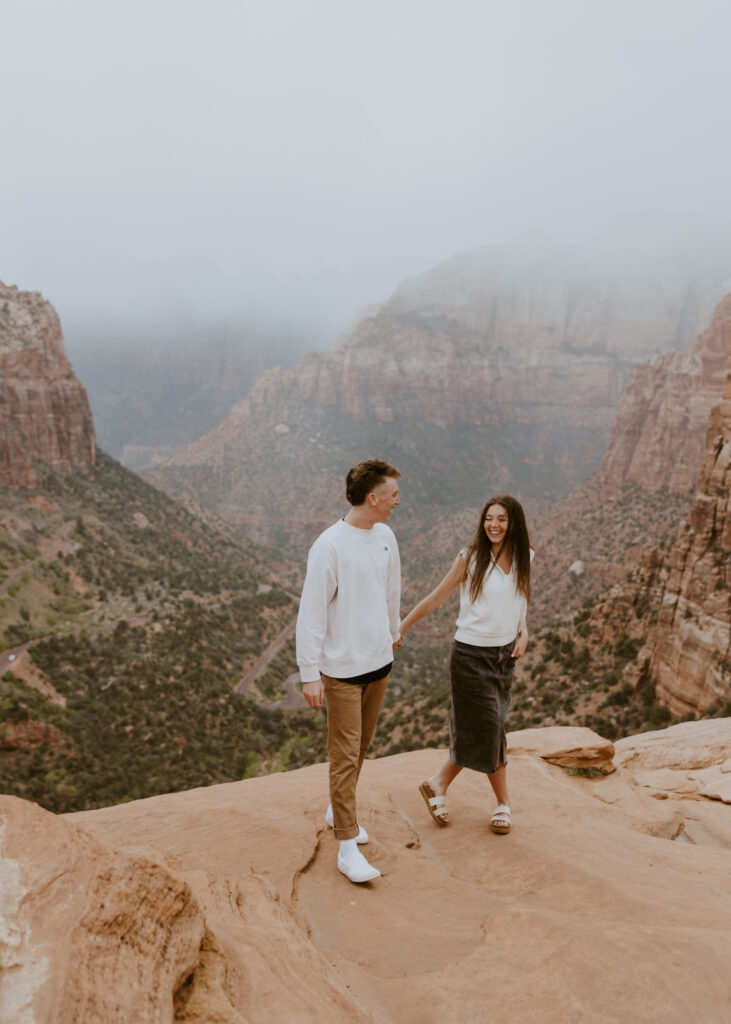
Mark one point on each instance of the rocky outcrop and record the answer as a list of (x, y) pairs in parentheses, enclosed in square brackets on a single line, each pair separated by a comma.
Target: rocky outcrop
[(688, 654), (692, 758), (658, 436), (501, 368), (44, 412), (225, 905), (567, 746), (677, 601), (92, 934), (29, 736)]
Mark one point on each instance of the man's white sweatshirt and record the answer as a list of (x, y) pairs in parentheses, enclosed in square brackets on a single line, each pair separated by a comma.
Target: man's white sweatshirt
[(349, 611)]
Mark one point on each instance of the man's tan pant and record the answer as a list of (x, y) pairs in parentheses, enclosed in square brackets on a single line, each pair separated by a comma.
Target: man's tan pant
[(352, 713)]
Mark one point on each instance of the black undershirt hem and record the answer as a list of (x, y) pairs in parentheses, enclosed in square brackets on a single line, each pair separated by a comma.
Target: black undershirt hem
[(367, 677)]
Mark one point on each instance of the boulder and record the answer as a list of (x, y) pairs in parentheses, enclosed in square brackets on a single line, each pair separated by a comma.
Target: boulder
[(568, 746)]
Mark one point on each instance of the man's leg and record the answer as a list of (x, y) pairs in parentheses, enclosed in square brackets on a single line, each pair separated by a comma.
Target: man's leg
[(370, 704), (343, 750)]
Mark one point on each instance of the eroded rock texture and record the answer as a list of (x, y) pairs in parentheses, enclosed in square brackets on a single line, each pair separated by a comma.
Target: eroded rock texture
[(659, 433), (688, 653), (684, 590), (224, 905), (499, 369), (92, 935), (44, 411)]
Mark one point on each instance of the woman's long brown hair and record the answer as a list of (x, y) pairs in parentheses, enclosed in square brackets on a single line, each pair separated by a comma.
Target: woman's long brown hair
[(478, 556)]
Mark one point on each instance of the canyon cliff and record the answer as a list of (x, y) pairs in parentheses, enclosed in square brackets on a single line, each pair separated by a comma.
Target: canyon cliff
[(44, 411), (224, 904), (659, 432), (500, 369), (687, 656), (676, 603), (647, 478)]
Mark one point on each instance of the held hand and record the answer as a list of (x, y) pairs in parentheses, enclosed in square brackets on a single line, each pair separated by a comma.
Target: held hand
[(397, 643), (314, 693), (521, 643)]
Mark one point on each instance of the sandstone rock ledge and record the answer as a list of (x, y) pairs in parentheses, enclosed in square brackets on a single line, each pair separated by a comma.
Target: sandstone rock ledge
[(223, 905)]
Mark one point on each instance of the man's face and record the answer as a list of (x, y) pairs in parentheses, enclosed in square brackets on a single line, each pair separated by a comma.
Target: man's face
[(384, 498)]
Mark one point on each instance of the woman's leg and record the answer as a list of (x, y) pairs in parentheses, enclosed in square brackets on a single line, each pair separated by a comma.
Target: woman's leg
[(500, 818), (499, 783), (446, 775)]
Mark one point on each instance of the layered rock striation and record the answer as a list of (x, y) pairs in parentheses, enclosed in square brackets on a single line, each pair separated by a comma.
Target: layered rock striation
[(659, 432), (688, 653), (44, 411), (677, 603), (501, 368)]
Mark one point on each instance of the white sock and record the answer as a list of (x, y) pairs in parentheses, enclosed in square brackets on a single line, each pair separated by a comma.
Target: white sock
[(348, 847)]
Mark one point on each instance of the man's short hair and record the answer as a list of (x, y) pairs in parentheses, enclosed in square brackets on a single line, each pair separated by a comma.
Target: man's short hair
[(364, 477)]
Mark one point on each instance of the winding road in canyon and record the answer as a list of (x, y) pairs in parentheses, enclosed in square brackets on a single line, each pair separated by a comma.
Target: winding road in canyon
[(294, 699)]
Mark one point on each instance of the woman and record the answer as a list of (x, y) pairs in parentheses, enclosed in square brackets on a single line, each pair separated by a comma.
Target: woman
[(493, 576)]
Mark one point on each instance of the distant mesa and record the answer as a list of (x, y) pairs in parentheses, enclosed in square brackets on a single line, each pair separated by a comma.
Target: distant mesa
[(502, 367), (44, 411)]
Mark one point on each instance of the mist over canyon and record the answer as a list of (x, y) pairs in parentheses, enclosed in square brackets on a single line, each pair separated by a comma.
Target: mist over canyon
[(500, 369), (132, 628)]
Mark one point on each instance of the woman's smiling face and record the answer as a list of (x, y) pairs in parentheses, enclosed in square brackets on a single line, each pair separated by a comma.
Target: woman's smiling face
[(496, 524)]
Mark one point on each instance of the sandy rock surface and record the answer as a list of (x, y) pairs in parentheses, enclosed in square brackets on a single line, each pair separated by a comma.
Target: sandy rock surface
[(588, 910), (688, 758)]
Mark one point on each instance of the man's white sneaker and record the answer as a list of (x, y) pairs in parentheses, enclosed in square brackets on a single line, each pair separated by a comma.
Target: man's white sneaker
[(362, 836), (354, 866)]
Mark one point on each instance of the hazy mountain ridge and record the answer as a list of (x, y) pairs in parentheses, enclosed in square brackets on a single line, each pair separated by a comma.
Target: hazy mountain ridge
[(152, 395), (500, 369)]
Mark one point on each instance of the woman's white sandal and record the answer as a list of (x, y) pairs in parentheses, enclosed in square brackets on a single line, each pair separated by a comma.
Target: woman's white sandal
[(437, 804), (500, 820)]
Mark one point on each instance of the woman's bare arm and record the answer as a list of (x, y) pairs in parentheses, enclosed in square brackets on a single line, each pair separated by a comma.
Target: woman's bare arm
[(438, 596)]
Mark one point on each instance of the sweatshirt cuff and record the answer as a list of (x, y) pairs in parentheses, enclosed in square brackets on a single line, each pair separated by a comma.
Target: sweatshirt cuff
[(309, 673)]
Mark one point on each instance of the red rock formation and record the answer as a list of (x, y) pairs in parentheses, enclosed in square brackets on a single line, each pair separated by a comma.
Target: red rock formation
[(498, 368), (28, 736), (684, 590), (659, 431), (44, 412), (688, 653)]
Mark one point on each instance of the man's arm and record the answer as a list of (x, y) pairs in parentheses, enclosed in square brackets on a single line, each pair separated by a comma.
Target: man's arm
[(393, 594), (318, 590)]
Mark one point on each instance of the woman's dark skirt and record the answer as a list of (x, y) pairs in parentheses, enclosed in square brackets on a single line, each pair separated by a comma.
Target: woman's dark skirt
[(481, 682)]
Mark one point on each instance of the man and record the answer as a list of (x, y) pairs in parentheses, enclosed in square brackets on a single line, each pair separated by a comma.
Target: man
[(347, 629)]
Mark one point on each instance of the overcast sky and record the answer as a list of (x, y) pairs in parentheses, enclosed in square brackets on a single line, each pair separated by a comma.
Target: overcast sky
[(204, 153)]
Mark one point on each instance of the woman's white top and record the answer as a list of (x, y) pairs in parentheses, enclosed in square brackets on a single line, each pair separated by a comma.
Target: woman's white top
[(497, 614)]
